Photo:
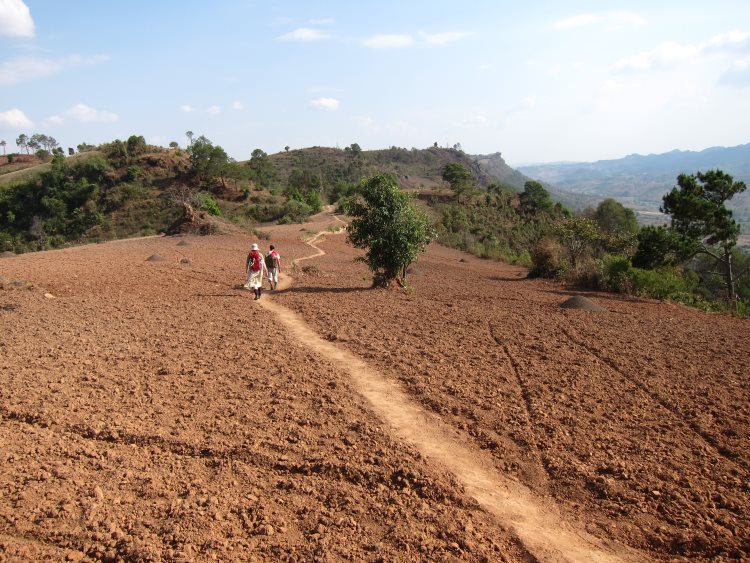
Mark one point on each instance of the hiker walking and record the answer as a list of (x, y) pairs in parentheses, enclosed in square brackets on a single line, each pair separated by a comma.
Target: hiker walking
[(256, 268), (273, 265)]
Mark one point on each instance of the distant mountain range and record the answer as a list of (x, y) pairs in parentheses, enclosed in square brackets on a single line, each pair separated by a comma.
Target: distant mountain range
[(640, 181)]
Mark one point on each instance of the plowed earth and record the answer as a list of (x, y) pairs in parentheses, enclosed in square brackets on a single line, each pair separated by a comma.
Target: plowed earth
[(151, 410)]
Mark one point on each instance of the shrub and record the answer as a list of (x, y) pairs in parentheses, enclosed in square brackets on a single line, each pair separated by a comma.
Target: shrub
[(209, 204), (662, 284), (132, 173), (548, 259), (616, 274)]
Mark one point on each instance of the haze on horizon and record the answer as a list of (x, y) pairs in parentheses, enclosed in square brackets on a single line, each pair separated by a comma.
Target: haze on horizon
[(540, 82)]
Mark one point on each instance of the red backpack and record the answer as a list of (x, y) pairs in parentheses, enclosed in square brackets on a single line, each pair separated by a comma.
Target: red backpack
[(256, 257)]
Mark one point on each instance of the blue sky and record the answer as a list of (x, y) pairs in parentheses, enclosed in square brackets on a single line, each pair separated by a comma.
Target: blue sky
[(538, 81)]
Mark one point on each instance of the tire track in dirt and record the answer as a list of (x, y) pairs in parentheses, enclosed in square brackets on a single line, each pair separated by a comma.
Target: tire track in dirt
[(692, 425), (536, 522), (526, 399)]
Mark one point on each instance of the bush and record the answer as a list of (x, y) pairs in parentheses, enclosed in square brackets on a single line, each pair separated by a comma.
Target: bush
[(132, 173), (209, 204), (662, 284), (548, 259), (616, 274)]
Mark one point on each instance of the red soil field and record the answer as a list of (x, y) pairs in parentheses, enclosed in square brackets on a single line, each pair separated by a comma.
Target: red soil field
[(151, 410)]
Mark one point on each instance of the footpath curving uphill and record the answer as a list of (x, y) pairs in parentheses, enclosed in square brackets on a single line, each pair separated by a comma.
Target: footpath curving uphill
[(151, 410)]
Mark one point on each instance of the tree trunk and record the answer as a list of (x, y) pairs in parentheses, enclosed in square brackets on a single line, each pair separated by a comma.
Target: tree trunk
[(729, 279)]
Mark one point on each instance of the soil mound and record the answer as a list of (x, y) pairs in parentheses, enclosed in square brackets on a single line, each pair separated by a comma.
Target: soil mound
[(155, 258), (582, 303), (7, 254), (183, 243)]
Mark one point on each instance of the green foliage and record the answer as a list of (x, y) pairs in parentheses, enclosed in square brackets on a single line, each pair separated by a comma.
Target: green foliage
[(697, 207), (294, 211), (661, 246), (132, 173), (388, 227), (262, 170), (535, 199), (61, 205), (614, 217), (698, 211), (209, 204), (578, 235), (458, 176), (207, 161), (136, 145)]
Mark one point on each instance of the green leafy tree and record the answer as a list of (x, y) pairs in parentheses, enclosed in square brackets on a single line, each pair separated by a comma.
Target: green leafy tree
[(388, 227), (578, 236), (534, 198), (698, 212), (458, 176), (612, 217), (207, 161), (262, 170)]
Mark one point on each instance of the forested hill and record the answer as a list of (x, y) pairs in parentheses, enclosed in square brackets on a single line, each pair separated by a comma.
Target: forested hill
[(412, 168)]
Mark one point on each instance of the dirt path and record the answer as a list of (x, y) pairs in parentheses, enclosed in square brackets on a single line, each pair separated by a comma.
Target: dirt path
[(536, 522)]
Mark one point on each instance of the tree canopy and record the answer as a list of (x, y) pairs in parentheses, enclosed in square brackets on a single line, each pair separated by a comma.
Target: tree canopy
[(458, 176), (388, 227), (613, 217), (535, 198), (698, 212)]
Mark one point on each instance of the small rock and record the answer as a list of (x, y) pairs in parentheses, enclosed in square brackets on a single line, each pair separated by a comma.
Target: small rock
[(98, 493), (49, 296), (266, 530), (74, 556)]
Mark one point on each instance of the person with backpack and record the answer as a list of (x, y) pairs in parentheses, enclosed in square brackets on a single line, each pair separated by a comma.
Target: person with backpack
[(273, 265), (256, 270)]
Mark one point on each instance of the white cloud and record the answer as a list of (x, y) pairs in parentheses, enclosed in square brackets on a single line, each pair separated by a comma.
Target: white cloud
[(214, 110), (187, 108), (737, 75), (611, 20), (238, 105), (670, 53), (388, 41), (529, 102), (443, 38), (85, 114), (734, 40), (14, 118), (304, 34), (15, 19), (328, 104), (28, 68)]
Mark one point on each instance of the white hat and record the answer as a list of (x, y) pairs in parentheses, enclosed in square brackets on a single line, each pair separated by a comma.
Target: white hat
[(254, 246)]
